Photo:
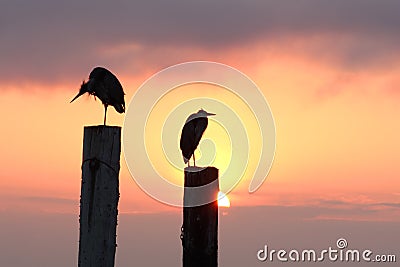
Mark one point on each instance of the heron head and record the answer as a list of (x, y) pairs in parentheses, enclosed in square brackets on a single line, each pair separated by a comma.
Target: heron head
[(82, 90), (203, 113)]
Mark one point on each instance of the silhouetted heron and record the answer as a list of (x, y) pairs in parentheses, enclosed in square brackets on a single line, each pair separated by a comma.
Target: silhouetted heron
[(192, 132), (103, 84)]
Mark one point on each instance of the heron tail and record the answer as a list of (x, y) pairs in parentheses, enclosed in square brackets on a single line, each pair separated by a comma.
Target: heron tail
[(185, 159), (120, 108)]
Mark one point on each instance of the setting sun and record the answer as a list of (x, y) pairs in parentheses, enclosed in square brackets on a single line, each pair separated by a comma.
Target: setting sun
[(223, 200)]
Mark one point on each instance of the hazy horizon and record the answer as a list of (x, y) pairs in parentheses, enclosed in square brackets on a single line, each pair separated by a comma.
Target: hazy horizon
[(51, 239)]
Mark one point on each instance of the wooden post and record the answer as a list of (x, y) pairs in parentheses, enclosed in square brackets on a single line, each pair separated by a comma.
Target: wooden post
[(99, 196), (200, 224)]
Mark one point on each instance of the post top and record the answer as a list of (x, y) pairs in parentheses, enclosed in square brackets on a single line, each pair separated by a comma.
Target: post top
[(102, 126), (197, 168)]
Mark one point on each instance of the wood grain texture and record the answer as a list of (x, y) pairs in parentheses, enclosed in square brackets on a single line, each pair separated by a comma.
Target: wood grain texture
[(200, 223), (99, 196)]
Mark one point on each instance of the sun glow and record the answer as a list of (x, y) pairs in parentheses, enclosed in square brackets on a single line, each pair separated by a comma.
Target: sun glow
[(223, 200)]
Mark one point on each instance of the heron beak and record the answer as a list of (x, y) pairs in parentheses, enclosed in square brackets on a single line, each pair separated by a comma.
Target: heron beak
[(210, 114), (78, 95)]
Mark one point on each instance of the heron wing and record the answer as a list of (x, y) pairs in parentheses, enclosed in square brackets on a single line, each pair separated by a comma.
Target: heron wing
[(200, 127), (116, 93), (187, 140), (108, 88)]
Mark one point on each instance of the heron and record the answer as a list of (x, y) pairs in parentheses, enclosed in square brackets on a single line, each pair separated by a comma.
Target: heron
[(192, 132), (103, 84)]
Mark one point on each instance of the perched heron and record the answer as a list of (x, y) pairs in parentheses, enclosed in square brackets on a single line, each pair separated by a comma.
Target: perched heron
[(192, 132), (103, 84)]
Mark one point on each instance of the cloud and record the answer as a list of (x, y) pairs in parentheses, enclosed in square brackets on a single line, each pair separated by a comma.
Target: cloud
[(334, 203), (47, 200), (54, 41), (393, 205)]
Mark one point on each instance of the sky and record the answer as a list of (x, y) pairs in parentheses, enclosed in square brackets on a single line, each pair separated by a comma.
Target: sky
[(329, 71)]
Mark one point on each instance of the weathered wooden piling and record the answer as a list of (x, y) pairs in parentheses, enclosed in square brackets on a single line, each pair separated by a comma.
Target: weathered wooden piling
[(200, 223), (99, 196)]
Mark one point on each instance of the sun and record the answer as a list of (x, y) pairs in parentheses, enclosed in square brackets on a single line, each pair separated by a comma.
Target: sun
[(223, 200)]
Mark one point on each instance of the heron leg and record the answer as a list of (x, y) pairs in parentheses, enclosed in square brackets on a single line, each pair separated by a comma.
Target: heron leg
[(194, 160), (105, 114)]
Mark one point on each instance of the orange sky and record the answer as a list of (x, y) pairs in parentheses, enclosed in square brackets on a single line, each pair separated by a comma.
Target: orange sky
[(329, 71), (337, 135)]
